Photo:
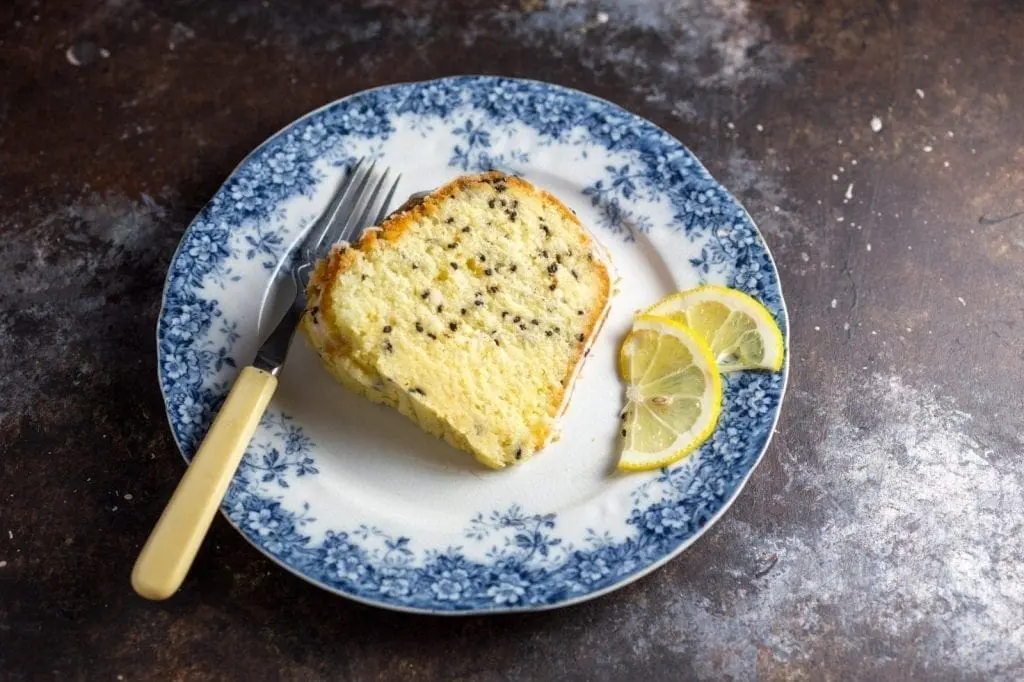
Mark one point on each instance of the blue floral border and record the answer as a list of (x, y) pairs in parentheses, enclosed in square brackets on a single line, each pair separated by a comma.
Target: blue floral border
[(529, 566)]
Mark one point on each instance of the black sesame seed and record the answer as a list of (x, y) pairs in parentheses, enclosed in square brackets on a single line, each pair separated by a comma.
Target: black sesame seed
[(623, 433), (553, 268), (387, 329), (514, 267), (419, 327), (504, 314), (546, 229), (478, 302), (449, 220), (493, 290), (548, 333), (516, 319), (558, 258), (513, 216), (425, 294), (553, 286), (574, 275), (483, 258), (455, 266), (497, 342), (463, 311), (579, 312), (415, 267), (455, 325), (515, 203), (519, 453), (523, 327), (440, 308), (558, 330), (432, 335), (580, 337), (466, 228), (417, 389), (490, 203), (544, 253), (488, 272), (363, 278), (388, 347), (453, 245), (503, 203)]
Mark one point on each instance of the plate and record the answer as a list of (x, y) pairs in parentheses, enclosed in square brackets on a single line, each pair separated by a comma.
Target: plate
[(353, 497)]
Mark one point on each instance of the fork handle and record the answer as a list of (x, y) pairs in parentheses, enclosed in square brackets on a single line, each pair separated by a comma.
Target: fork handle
[(172, 546)]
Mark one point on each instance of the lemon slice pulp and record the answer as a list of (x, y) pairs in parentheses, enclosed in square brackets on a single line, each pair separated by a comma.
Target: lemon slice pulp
[(673, 393), (741, 333)]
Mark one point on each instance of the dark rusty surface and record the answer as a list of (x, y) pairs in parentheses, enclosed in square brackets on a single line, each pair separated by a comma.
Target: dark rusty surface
[(881, 538)]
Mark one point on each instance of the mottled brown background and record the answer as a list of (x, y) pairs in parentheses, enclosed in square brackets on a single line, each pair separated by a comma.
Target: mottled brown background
[(881, 538)]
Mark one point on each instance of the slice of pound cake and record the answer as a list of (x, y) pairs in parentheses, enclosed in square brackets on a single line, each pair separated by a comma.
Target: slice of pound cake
[(470, 311)]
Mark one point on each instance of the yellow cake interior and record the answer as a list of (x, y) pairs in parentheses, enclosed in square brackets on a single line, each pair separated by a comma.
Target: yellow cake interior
[(470, 312)]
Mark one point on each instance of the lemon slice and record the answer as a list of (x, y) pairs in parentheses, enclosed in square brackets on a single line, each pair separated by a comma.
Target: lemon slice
[(741, 332), (673, 393)]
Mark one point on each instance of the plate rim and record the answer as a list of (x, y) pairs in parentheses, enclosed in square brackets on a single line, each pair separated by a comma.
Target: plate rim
[(627, 580)]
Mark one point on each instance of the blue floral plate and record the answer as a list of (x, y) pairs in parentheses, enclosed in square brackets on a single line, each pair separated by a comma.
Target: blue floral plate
[(353, 497)]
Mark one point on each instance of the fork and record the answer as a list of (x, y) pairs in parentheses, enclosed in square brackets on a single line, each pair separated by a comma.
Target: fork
[(172, 545)]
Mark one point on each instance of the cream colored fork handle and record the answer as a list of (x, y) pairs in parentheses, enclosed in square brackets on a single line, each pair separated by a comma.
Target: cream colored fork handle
[(171, 547)]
